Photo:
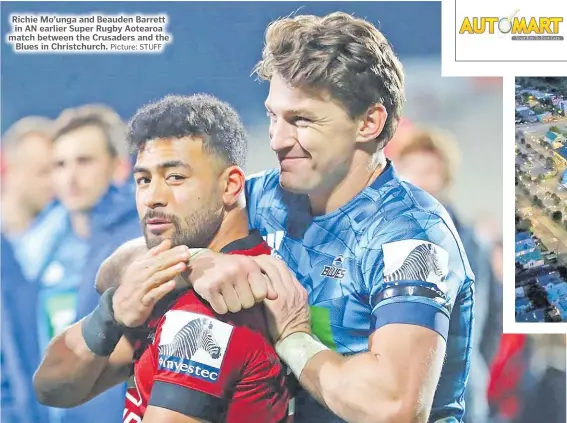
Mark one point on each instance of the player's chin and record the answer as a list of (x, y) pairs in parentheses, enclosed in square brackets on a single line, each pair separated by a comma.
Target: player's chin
[(298, 184), (153, 240), (299, 181)]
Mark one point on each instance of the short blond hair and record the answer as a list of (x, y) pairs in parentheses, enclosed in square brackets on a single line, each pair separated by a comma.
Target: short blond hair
[(437, 142), (346, 56), (27, 126)]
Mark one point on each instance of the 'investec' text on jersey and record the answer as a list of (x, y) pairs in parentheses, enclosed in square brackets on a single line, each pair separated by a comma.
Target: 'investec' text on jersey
[(189, 367)]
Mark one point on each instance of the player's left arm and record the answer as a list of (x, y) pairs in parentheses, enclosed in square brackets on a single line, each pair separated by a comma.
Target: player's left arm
[(163, 415), (395, 381)]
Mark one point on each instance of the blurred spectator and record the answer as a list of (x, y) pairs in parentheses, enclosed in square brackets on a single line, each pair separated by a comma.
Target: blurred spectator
[(489, 229), (99, 216), (27, 189), (429, 159), (497, 261), (393, 147), (19, 353), (493, 330), (115, 130)]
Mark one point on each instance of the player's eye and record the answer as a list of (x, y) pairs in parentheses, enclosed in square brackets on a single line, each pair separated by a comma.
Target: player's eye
[(175, 178), (301, 120), (143, 180), (270, 115), (85, 160)]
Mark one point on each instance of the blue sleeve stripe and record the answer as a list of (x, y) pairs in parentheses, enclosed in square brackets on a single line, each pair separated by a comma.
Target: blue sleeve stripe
[(412, 313)]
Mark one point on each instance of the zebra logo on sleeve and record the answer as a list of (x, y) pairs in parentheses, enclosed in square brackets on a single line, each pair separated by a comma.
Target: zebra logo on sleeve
[(415, 260), (193, 344), (194, 335)]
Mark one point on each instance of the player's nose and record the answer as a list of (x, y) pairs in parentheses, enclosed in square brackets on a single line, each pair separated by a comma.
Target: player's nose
[(282, 135), (155, 195)]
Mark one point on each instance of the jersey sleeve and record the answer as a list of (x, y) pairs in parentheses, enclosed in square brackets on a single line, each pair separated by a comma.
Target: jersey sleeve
[(414, 267), (196, 365)]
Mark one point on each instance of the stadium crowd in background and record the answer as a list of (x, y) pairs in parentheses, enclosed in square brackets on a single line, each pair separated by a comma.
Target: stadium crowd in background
[(67, 204)]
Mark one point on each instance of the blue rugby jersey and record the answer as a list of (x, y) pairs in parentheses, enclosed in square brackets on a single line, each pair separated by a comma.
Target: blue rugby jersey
[(390, 255)]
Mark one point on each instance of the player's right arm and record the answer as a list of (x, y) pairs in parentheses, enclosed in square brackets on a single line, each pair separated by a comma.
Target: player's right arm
[(93, 355), (71, 374)]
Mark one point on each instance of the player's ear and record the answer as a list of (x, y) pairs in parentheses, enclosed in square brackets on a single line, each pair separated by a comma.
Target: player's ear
[(371, 123), (232, 184)]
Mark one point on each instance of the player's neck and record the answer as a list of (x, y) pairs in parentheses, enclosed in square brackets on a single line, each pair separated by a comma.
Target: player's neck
[(359, 176), (15, 217), (233, 227)]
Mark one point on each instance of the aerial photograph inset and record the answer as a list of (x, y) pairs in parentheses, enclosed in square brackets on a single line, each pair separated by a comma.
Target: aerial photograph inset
[(541, 199)]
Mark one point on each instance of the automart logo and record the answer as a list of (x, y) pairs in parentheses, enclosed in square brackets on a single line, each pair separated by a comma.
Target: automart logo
[(520, 28)]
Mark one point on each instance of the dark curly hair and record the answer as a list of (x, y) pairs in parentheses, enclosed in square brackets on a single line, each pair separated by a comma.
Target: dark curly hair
[(200, 115), (344, 55)]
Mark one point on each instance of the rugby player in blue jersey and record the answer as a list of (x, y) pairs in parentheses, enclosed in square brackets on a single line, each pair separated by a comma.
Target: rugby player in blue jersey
[(370, 298)]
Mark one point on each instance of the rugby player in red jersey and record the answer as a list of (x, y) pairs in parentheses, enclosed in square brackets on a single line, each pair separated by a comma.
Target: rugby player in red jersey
[(184, 363)]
